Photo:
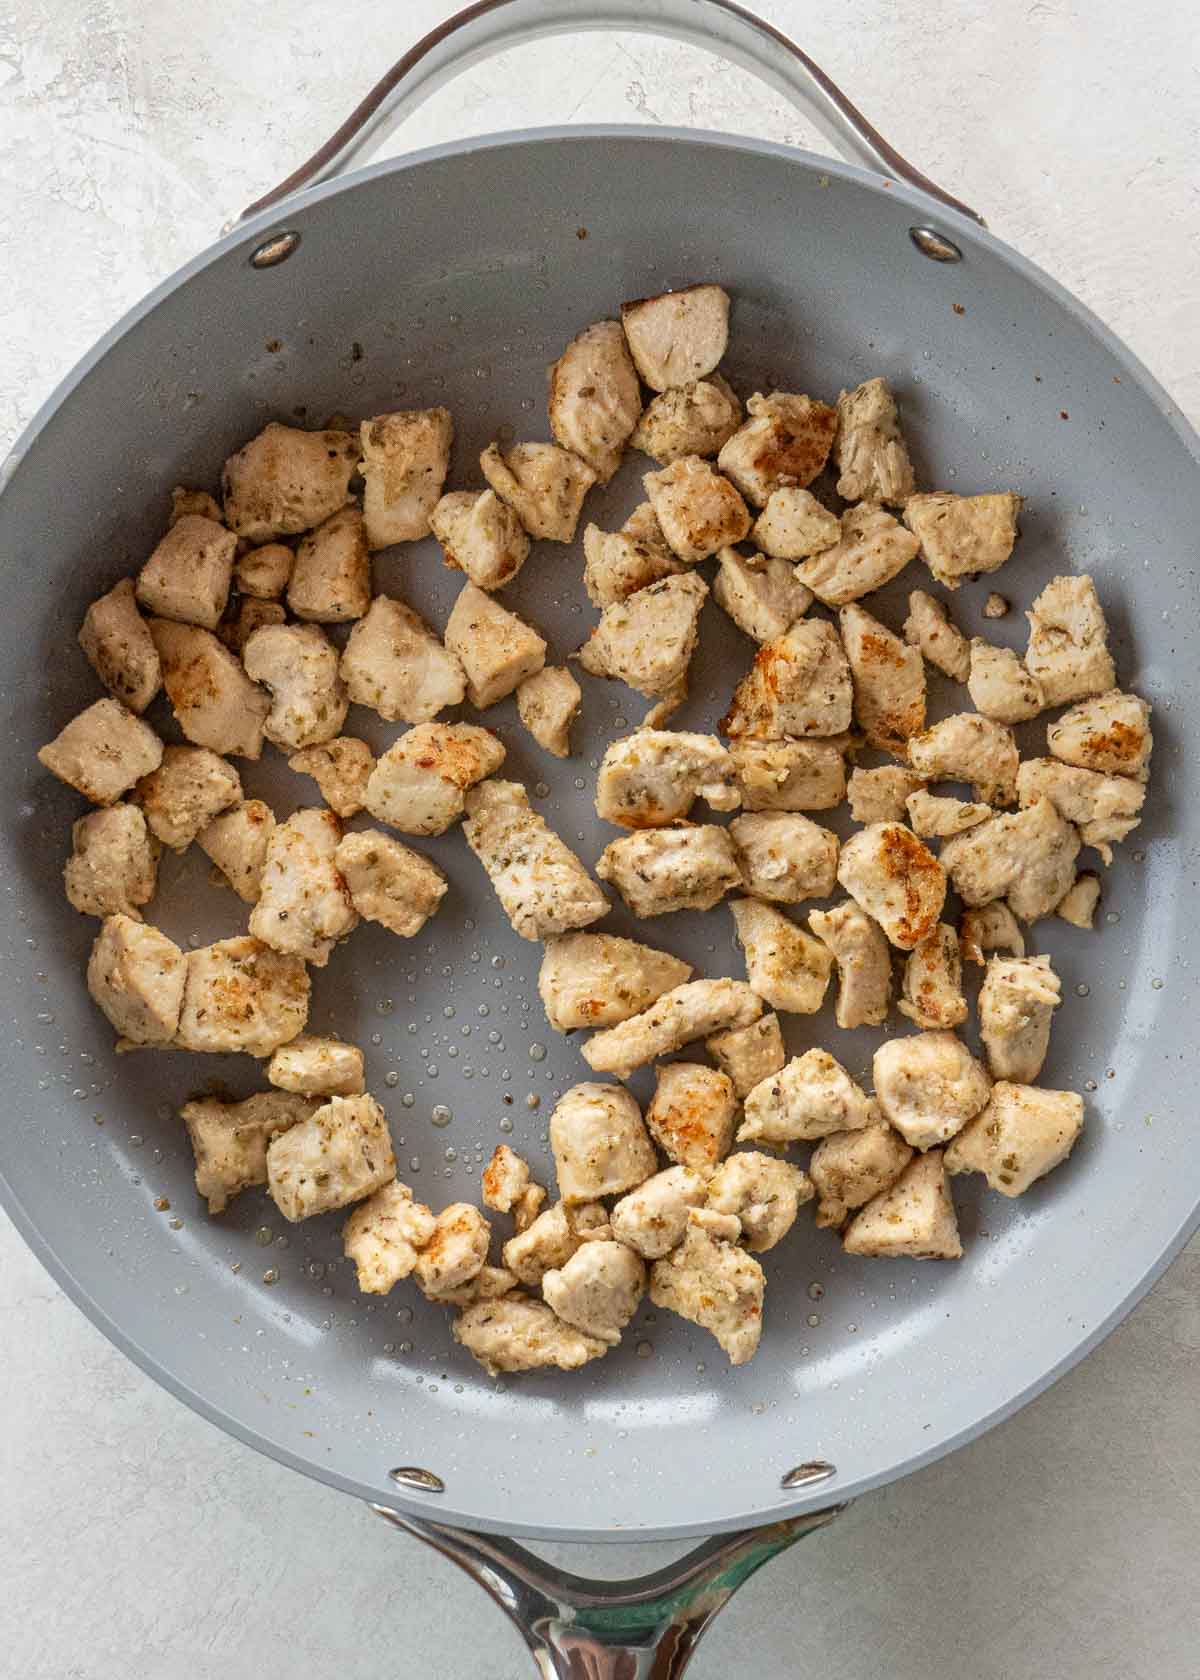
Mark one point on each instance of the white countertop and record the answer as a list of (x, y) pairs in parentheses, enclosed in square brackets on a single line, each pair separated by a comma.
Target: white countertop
[(141, 1542)]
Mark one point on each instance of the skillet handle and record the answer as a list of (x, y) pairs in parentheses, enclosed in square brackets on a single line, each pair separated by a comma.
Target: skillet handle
[(492, 26), (578, 1629)]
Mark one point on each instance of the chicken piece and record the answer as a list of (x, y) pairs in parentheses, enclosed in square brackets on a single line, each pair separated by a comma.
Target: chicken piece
[(1028, 855), (298, 664), (598, 1289), (517, 1334), (914, 1220), (505, 1179), (785, 443), (880, 795), (659, 870), (240, 995), (490, 1283), (542, 886), (102, 752), (286, 480), (928, 628), (251, 615), (991, 927), (237, 841), (962, 536), (120, 649), (968, 748), (870, 452), (1104, 808), (187, 577), (696, 1009), (1109, 734), (647, 641), (619, 564), (113, 867), (496, 649), (1078, 904), (389, 883), (185, 501), (786, 966), (1068, 642), (263, 573), (1016, 1003), (330, 581), (318, 1067), (597, 979), (455, 1253), (748, 1055), (653, 1218), (304, 905), (549, 1241), (384, 1235), (872, 549), (794, 525), (595, 399), (642, 525), (694, 419), (797, 685), (229, 1140), (1023, 1133), (404, 460), (764, 1192), (651, 778), (394, 663), (860, 949), (420, 784), (546, 704), (764, 598), (481, 536), (543, 484), (341, 769), (784, 857), (713, 1283), (190, 787), (136, 976), (528, 1206), (896, 880), (677, 337), (1000, 685), (929, 1085), (935, 818), (599, 1142), (698, 510), (789, 775), (215, 703), (848, 1169), (889, 681), (691, 1115), (933, 994), (809, 1098), (341, 1154)]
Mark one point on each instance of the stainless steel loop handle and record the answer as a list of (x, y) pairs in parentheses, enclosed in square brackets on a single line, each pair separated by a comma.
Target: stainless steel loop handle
[(492, 26)]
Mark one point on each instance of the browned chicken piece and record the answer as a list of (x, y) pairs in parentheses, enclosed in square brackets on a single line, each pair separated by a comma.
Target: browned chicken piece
[(263, 572), (542, 886), (797, 685), (809, 1098), (937, 818), (870, 452), (1068, 642), (968, 748), (298, 665), (495, 648), (873, 548), (113, 866), (598, 979), (388, 882), (1109, 734), (785, 857), (341, 769), (794, 525), (864, 963), (896, 879), (785, 965), (880, 795), (1016, 1004), (618, 563), (384, 1235), (990, 927), (647, 641), (236, 841), (889, 681), (714, 1283), (764, 598), (595, 399), (693, 1010), (395, 664), (188, 575), (677, 337), (1027, 856), (598, 1290), (928, 1086), (543, 484), (1000, 686), (1078, 904), (599, 1141), (764, 1192), (785, 442), (547, 703), (505, 1179), (690, 866), (229, 1140), (962, 536), (848, 1169), (240, 995), (481, 536), (1023, 1133), (330, 581), (190, 787), (185, 501), (304, 905), (698, 509), (933, 994), (691, 1114), (928, 628), (550, 1238), (318, 1067), (652, 778), (215, 703), (420, 784), (136, 976), (789, 775), (691, 419), (995, 606), (120, 649), (516, 1333), (102, 752), (251, 615), (455, 1253), (339, 1155), (749, 1054), (286, 480), (653, 1218), (405, 456), (914, 1220), (1104, 808)]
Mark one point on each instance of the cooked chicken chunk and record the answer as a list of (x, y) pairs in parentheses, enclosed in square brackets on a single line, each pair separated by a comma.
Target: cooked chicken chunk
[(496, 649), (764, 598), (542, 886), (691, 419), (341, 769), (420, 784), (136, 975), (1109, 734), (1068, 642), (236, 841), (1000, 685), (764, 1192), (384, 1235), (263, 573), (786, 966), (251, 615), (870, 451), (929, 1085), (659, 870), (936, 818), (113, 867), (794, 525), (789, 775), (543, 484), (962, 536), (933, 994), (103, 752), (714, 1284), (968, 748), (304, 905), (809, 1098), (896, 880), (1023, 1133), (331, 577), (481, 536), (505, 1179), (784, 857), (1078, 904), (190, 787), (872, 548), (797, 685), (696, 1009), (691, 1114), (928, 628), (551, 1238), (286, 480), (185, 501), (340, 1154), (215, 703), (992, 927), (595, 399), (647, 641), (889, 681), (618, 563), (598, 1289), (1104, 808), (597, 979), (120, 649), (880, 795), (785, 443), (848, 1169), (188, 575), (864, 963), (599, 1142), (1016, 1003), (1028, 856), (488, 1284), (517, 1334), (455, 1253), (528, 1206), (229, 1140), (389, 883), (547, 703), (698, 510), (651, 778), (240, 995), (653, 1218), (318, 1067), (748, 1055), (677, 337), (914, 1220), (394, 663), (404, 460)]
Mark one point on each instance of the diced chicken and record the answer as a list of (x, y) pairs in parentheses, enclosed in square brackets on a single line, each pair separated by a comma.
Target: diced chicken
[(229, 1140), (896, 879), (340, 1154), (933, 994), (809, 1098), (263, 572), (794, 525), (595, 399), (860, 949), (384, 1235), (185, 501), (1023, 1133), (1109, 734), (286, 480), (341, 769), (929, 1085), (388, 882), (789, 775), (691, 1114), (647, 641), (237, 841), (928, 628), (190, 787), (786, 966), (505, 1179), (1068, 642), (404, 460), (547, 703), (455, 1253), (936, 818), (962, 536), (618, 564), (517, 1334), (215, 703), (872, 549), (968, 748), (597, 979), (991, 927), (1000, 685), (1078, 904), (481, 536), (659, 870), (784, 857), (251, 615), (642, 525), (598, 1289), (653, 1218), (298, 664), (528, 1206), (120, 649), (543, 484), (849, 1169), (420, 784), (113, 866), (330, 581), (797, 685), (490, 1283), (542, 886), (914, 1220), (651, 778), (713, 1283), (1016, 1004), (870, 452), (599, 1142), (880, 795), (188, 575), (694, 419), (102, 752), (677, 337), (698, 509), (696, 1009), (304, 905), (1028, 856), (240, 995), (748, 1055), (318, 1067), (1104, 808), (495, 648), (764, 598), (764, 1192), (550, 1240), (394, 663), (136, 976), (785, 443), (889, 681)]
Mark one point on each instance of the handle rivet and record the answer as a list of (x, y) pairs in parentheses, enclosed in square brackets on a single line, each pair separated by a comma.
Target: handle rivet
[(807, 1475), (275, 250), (412, 1476), (934, 245)]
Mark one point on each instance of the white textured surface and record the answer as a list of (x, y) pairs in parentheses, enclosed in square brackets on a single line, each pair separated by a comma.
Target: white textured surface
[(137, 1540)]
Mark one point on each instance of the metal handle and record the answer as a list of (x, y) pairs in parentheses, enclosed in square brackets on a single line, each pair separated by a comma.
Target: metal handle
[(611, 1630), (491, 26)]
